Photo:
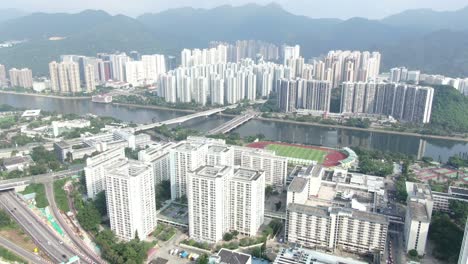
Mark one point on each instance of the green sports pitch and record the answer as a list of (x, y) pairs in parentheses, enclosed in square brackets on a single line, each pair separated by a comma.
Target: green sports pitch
[(298, 152)]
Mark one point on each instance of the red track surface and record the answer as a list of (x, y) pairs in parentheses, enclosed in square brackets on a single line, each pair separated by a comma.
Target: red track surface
[(333, 157)]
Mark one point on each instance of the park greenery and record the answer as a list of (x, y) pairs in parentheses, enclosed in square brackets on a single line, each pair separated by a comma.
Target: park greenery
[(61, 195), (163, 193), (446, 237), (178, 133), (96, 124), (458, 161), (133, 251), (45, 161), (6, 221), (164, 232), (39, 190), (460, 212)]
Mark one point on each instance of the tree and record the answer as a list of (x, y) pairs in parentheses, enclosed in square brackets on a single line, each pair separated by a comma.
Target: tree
[(203, 259), (413, 253), (268, 190), (227, 236), (278, 205), (5, 219), (89, 217), (100, 203)]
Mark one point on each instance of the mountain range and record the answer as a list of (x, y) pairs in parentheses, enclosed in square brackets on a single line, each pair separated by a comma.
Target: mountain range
[(435, 42)]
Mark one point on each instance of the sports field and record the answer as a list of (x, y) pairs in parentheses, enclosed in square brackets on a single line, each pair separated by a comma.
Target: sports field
[(298, 152)]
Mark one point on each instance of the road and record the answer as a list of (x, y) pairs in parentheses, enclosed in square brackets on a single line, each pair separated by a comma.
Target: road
[(29, 256), (41, 234), (42, 178), (86, 252)]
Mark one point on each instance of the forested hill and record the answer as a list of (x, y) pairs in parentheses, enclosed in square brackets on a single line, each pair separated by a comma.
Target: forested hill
[(449, 110), (438, 48)]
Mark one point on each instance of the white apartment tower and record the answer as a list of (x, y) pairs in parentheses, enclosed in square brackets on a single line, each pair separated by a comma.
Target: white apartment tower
[(97, 167), (65, 77), (3, 79), (275, 167), (206, 202), (159, 158), (185, 158), (21, 78), (90, 79), (130, 197), (246, 201)]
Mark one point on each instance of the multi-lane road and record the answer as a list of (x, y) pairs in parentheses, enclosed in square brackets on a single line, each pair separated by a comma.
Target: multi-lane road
[(29, 256), (85, 252), (41, 234)]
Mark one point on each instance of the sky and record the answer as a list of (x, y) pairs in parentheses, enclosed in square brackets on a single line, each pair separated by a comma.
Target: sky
[(313, 8)]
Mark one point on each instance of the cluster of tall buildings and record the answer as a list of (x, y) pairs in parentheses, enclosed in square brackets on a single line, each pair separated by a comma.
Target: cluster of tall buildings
[(296, 94), (404, 102), (75, 73), (249, 49), (17, 77), (224, 185), (347, 66)]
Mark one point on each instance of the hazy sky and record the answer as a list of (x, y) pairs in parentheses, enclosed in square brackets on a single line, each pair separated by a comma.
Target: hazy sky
[(311, 8)]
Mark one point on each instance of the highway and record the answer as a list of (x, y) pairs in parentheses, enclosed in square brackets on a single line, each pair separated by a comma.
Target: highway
[(86, 252), (29, 256), (41, 234)]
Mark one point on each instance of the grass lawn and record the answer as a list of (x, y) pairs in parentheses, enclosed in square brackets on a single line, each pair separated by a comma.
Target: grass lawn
[(298, 152), (38, 188)]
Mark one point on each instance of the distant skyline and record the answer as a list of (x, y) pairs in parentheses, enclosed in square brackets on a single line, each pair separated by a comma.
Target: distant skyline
[(344, 9)]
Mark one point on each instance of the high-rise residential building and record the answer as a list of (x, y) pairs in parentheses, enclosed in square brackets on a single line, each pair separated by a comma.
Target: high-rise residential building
[(65, 77), (404, 102), (130, 198), (217, 91), (90, 79), (135, 73), (287, 95), (317, 95), (418, 216), (200, 89), (275, 167), (3, 79), (185, 158), (223, 199), (291, 52), (118, 62), (167, 88), (21, 78), (154, 65), (97, 167), (159, 158), (463, 256), (246, 201), (206, 202)]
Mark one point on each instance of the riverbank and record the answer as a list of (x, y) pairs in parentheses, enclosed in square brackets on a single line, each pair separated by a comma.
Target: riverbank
[(47, 95), (155, 107), (451, 138)]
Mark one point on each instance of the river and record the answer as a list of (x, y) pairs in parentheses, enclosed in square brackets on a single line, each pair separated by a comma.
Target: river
[(298, 133)]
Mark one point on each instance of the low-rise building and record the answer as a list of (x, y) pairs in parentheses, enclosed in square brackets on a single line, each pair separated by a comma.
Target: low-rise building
[(226, 256), (17, 163), (306, 256)]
